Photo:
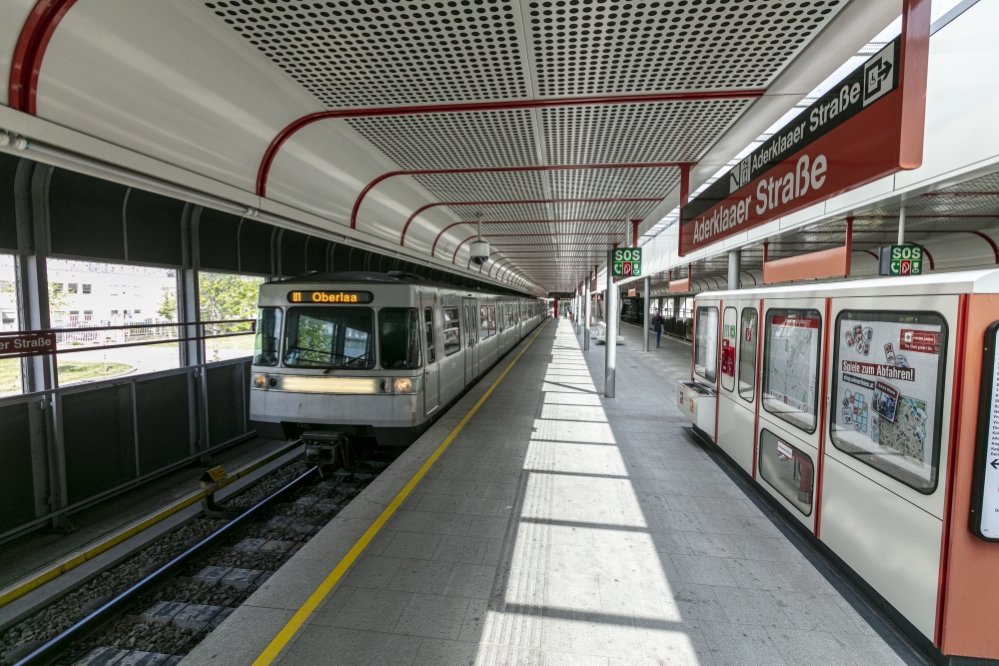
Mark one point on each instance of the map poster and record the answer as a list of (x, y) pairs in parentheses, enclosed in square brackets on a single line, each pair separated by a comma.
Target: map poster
[(792, 366), (886, 392), (984, 518)]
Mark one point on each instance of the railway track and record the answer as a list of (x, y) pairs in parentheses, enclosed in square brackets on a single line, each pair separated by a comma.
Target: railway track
[(156, 606)]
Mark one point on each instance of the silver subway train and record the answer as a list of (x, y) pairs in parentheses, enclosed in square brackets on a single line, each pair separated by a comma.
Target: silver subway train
[(376, 357)]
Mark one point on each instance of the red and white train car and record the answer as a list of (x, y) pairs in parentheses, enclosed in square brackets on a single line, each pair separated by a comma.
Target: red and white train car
[(855, 405)]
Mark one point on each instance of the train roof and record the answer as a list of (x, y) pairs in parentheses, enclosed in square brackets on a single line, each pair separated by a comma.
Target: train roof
[(389, 278), (984, 281)]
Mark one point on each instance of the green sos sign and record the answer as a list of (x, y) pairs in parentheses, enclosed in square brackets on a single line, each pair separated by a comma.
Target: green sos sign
[(626, 261), (901, 260)]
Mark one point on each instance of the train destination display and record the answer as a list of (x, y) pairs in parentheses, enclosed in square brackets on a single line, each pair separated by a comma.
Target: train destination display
[(857, 132), (887, 392), (984, 515), (330, 297)]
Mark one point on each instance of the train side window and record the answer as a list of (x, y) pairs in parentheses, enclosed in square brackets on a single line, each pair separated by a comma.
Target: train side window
[(492, 320), (452, 331), (706, 344), (428, 324), (483, 322), (788, 470), (729, 336), (791, 366), (887, 396), (265, 346), (747, 353)]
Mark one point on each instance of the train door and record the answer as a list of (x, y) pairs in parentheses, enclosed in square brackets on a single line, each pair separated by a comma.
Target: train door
[(791, 396), (431, 369), (887, 435), (737, 380), (469, 314)]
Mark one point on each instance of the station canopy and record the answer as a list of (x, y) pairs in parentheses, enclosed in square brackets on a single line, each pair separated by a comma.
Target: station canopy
[(562, 126)]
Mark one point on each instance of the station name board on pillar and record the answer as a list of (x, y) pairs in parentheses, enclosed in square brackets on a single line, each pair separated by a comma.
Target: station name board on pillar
[(868, 126), (626, 261)]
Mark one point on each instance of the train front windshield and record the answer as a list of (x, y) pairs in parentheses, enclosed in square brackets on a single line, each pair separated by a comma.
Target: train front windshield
[(329, 337)]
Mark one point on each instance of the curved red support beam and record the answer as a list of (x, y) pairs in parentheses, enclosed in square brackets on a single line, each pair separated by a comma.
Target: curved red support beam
[(469, 107), (563, 167), (433, 250), (422, 209), (496, 265), (30, 50)]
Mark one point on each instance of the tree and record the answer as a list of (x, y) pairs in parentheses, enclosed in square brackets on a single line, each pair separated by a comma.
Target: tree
[(168, 306), (58, 301), (225, 296)]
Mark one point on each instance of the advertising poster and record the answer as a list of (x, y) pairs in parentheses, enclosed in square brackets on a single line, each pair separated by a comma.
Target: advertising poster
[(886, 388), (792, 368)]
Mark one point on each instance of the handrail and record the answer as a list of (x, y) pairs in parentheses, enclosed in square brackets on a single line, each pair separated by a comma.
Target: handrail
[(128, 327)]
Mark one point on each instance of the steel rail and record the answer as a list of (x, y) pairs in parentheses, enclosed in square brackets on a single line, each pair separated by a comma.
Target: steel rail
[(55, 647)]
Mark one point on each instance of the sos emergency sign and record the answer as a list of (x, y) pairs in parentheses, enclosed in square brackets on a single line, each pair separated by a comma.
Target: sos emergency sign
[(900, 260), (626, 261), (866, 127)]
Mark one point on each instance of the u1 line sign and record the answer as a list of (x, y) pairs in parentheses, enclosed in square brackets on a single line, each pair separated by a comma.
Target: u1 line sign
[(868, 126)]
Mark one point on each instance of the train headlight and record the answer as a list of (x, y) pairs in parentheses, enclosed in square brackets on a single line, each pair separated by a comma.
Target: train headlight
[(403, 385), (260, 381)]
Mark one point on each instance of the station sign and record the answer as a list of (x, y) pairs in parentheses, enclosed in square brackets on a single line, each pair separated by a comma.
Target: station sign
[(27, 343), (626, 261), (560, 294), (866, 127), (900, 260), (984, 516), (331, 297)]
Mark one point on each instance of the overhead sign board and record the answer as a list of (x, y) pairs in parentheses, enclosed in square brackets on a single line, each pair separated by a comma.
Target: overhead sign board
[(900, 260), (626, 261), (560, 294), (863, 129), (27, 343), (984, 516)]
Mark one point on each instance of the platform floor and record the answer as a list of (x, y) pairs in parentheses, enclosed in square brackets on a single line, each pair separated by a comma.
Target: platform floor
[(563, 528)]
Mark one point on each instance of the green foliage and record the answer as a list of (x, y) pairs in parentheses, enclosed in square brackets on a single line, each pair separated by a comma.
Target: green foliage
[(6, 287), (226, 296), (168, 305), (58, 300)]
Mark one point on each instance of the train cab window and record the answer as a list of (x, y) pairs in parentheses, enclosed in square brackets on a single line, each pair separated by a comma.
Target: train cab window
[(788, 470), (428, 324), (329, 337), (268, 339), (747, 353), (791, 366), (399, 338), (706, 344), (887, 396), (452, 331), (729, 337)]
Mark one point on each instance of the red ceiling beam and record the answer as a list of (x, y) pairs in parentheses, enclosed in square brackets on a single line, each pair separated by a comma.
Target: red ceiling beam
[(510, 169), (422, 209), (471, 107), (36, 33)]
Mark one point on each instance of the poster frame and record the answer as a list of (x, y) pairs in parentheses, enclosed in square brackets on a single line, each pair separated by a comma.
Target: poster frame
[(985, 396)]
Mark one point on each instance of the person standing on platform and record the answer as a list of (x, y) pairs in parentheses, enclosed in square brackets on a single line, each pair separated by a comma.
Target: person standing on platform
[(657, 326)]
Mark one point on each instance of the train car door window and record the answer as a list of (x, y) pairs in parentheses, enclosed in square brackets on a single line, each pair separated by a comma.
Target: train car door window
[(747, 353), (452, 331), (492, 320), (428, 323), (706, 344), (791, 366), (483, 322), (788, 469), (729, 337), (887, 396), (469, 328)]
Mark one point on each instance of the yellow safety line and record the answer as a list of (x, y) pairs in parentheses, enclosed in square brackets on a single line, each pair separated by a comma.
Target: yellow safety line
[(74, 561), (316, 598)]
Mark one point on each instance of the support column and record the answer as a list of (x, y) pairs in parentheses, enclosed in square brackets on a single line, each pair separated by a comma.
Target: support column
[(586, 315), (647, 303), (611, 316), (734, 268), (188, 297), (901, 224)]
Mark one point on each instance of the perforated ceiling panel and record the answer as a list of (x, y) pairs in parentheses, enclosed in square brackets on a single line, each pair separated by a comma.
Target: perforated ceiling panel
[(610, 183), (581, 47), (486, 186), (444, 141), (637, 132), (364, 53)]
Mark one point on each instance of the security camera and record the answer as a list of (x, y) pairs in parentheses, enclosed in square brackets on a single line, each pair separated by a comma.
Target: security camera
[(480, 252)]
